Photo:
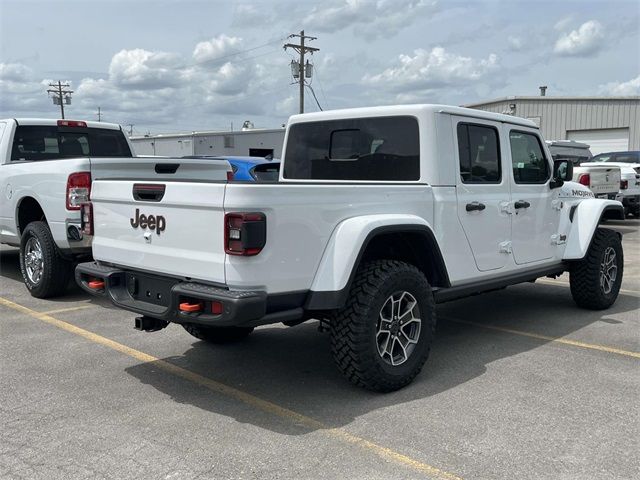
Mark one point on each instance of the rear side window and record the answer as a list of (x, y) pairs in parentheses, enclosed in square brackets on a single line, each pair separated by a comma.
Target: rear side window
[(628, 157), (479, 152), (266, 172), (374, 149), (34, 142), (529, 163)]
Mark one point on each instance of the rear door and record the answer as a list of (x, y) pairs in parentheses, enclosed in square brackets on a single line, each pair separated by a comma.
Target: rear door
[(535, 216), (161, 216), (483, 192)]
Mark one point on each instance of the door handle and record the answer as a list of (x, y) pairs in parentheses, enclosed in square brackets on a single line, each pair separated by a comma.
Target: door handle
[(522, 204), (475, 206)]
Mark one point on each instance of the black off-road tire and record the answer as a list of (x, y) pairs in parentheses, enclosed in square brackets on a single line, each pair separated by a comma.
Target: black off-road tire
[(585, 275), (219, 335), (56, 271), (353, 328)]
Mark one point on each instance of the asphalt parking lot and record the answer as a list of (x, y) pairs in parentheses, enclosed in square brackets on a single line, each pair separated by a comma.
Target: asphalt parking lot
[(520, 384)]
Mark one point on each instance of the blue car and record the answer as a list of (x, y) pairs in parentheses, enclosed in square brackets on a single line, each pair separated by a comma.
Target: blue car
[(248, 169)]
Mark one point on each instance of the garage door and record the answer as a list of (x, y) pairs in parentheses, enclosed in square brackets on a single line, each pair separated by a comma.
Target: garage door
[(602, 140)]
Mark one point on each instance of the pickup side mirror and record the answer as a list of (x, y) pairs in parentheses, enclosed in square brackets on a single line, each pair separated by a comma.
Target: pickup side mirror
[(562, 172)]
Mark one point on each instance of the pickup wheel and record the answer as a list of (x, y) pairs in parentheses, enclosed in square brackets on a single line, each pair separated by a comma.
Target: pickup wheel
[(218, 335), (45, 272), (595, 280), (381, 338)]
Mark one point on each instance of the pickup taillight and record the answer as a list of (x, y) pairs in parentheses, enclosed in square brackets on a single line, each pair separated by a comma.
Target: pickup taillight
[(245, 234), (584, 179), (78, 189), (624, 184), (86, 218)]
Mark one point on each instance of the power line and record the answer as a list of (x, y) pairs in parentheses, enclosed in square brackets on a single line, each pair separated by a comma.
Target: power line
[(235, 54), (300, 68), (314, 96)]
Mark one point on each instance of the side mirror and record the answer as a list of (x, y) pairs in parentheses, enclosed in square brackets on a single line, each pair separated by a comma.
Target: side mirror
[(562, 172)]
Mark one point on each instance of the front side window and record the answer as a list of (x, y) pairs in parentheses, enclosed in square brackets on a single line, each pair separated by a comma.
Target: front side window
[(529, 163), (479, 152), (369, 149)]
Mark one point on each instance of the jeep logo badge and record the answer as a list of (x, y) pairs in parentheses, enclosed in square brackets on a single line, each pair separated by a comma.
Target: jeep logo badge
[(152, 222)]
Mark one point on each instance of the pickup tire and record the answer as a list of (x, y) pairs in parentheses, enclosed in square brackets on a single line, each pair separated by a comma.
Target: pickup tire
[(45, 272), (595, 280), (371, 343), (219, 335)]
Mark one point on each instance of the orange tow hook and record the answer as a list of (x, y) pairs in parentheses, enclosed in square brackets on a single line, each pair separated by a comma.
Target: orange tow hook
[(96, 284), (190, 307)]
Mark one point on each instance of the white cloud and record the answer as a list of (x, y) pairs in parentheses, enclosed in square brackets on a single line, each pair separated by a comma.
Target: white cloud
[(372, 18), (632, 87), (140, 68), (586, 40), (432, 69), (215, 48), (515, 43)]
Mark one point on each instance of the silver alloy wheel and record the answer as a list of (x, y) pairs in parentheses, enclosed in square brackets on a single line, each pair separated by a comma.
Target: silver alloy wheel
[(398, 328), (608, 270), (33, 262)]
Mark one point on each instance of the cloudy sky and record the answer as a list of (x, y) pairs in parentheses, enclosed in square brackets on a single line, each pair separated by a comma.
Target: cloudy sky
[(170, 65)]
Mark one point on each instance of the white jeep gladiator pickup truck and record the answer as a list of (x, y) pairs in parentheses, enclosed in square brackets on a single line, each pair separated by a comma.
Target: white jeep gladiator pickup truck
[(45, 174), (379, 213)]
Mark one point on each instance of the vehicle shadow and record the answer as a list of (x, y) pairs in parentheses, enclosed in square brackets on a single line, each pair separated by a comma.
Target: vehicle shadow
[(10, 270), (293, 368)]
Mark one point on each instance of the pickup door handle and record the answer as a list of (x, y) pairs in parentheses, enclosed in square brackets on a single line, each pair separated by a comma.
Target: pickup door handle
[(475, 206), (522, 204)]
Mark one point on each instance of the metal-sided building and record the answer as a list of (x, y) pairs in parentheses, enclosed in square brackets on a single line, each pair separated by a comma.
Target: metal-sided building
[(254, 142), (607, 124)]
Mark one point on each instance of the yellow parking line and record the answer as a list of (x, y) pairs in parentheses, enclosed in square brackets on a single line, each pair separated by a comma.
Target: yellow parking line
[(68, 309), (251, 400), (565, 341), (560, 283)]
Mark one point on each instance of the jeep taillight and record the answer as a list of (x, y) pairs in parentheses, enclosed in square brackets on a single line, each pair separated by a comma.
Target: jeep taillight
[(244, 233), (584, 179), (78, 189), (624, 184), (86, 218)]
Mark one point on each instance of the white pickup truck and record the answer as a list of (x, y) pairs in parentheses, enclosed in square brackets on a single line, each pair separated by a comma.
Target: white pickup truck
[(46, 168), (602, 180), (379, 213)]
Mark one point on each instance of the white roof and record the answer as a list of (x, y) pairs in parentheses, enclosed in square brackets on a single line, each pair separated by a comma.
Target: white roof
[(414, 110), (54, 122)]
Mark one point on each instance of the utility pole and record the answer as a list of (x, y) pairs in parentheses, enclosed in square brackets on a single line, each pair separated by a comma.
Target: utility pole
[(61, 95), (298, 69), (99, 115)]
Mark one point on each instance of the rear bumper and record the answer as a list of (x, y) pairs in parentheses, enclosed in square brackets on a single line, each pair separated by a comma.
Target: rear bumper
[(163, 296)]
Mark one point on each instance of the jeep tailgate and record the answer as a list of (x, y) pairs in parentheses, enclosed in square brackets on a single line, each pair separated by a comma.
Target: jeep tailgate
[(161, 216)]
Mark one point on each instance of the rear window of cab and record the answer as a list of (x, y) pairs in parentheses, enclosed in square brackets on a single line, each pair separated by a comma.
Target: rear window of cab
[(362, 149), (44, 142)]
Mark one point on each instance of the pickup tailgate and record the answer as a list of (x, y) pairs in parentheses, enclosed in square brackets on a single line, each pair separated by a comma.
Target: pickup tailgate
[(603, 179), (161, 216)]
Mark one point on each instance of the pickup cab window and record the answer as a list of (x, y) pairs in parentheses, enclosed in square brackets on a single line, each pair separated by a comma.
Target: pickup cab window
[(368, 149), (37, 142)]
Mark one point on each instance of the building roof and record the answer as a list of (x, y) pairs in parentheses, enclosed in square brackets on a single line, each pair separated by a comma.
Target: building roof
[(547, 98), (205, 133)]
